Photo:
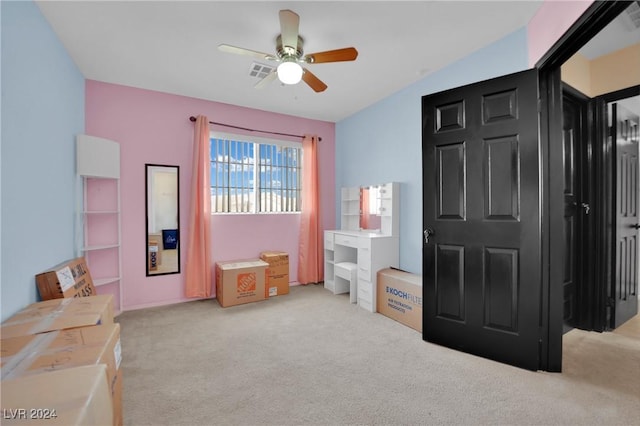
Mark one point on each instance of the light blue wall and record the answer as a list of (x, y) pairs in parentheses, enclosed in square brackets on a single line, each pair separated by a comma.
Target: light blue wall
[(383, 143), (42, 111)]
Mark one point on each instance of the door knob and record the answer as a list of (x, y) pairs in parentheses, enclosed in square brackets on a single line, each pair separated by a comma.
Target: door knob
[(427, 233), (637, 226), (586, 208)]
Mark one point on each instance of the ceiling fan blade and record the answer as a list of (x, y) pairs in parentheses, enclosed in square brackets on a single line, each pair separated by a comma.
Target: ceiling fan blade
[(289, 25), (338, 55), (266, 80), (314, 82), (242, 51)]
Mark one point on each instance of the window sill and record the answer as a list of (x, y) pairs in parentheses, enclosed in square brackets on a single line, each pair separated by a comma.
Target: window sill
[(255, 214)]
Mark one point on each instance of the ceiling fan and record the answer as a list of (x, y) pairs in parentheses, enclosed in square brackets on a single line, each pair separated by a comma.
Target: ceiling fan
[(290, 55)]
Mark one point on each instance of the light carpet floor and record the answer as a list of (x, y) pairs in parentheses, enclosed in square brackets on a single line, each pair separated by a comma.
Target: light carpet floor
[(312, 358)]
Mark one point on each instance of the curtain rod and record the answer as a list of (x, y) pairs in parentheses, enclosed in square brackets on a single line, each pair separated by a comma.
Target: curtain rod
[(192, 118)]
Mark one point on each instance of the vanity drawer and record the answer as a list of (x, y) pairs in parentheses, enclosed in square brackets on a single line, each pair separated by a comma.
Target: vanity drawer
[(364, 257), (365, 304), (328, 240), (365, 291), (346, 240), (364, 271), (364, 243)]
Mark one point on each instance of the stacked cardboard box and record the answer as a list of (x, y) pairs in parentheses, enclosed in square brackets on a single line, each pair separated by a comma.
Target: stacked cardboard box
[(277, 272), (75, 396), (399, 296), (59, 314), (68, 279), (240, 281), (58, 335), (64, 349)]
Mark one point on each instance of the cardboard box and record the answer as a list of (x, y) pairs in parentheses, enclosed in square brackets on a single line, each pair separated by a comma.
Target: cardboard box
[(68, 279), (277, 272), (63, 349), (240, 281), (59, 314), (75, 396), (154, 255), (399, 296)]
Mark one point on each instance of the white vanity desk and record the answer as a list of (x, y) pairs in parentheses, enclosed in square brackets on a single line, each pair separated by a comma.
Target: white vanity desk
[(370, 251), (366, 251)]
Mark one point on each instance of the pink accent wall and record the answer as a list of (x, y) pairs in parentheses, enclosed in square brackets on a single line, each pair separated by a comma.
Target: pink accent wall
[(154, 127), (551, 21)]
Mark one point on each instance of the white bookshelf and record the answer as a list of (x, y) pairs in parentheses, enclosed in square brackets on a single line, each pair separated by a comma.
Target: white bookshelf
[(98, 169)]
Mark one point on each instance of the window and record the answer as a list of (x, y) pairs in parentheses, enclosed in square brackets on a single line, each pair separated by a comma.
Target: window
[(254, 176)]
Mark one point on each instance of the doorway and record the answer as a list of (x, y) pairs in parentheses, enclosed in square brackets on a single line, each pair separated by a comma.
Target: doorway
[(578, 182), (598, 303), (600, 233), (600, 280)]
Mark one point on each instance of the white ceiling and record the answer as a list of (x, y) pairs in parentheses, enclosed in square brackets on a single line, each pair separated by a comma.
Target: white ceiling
[(171, 46)]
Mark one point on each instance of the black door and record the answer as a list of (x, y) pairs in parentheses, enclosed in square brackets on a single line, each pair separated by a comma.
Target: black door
[(577, 211), (481, 215), (625, 291)]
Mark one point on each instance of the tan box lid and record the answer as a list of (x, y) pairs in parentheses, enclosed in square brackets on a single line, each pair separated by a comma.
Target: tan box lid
[(240, 264), (274, 254), (403, 275), (75, 396), (59, 314), (275, 258)]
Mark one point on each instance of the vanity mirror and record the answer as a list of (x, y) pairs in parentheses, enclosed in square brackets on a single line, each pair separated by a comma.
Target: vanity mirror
[(162, 219), (370, 208)]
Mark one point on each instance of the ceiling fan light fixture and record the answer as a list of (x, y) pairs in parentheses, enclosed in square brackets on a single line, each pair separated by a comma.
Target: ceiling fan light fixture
[(290, 72), (291, 57)]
